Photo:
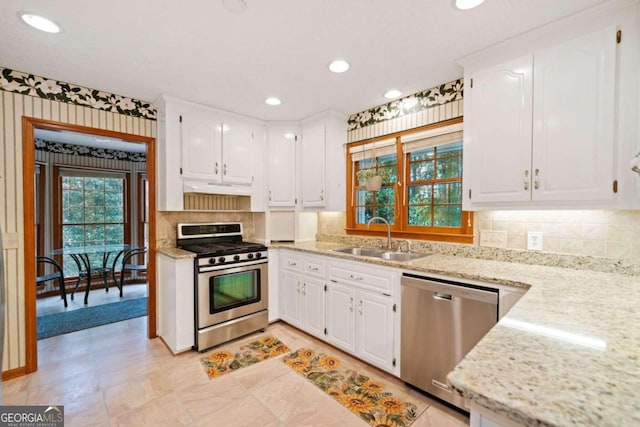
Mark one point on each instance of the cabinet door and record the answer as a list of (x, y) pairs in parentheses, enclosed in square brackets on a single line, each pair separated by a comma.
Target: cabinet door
[(341, 302), (291, 290), (282, 169), (313, 165), (237, 142), (573, 116), (497, 141), (313, 306), (375, 329), (201, 145)]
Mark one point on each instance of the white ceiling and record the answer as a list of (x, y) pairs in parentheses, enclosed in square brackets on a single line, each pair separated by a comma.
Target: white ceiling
[(197, 50)]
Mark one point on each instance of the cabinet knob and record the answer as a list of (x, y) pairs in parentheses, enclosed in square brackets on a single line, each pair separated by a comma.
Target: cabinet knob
[(526, 180)]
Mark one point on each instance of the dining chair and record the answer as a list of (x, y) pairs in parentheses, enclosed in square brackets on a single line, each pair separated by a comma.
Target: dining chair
[(102, 272), (57, 274), (126, 265)]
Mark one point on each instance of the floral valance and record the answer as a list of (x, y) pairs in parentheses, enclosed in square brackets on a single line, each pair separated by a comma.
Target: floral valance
[(81, 150), (443, 94), (31, 85)]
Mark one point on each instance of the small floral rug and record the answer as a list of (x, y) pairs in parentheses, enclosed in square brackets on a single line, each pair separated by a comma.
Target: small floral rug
[(366, 397), (223, 361)]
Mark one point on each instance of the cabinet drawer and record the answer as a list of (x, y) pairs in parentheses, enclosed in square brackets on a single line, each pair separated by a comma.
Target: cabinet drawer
[(313, 268), (291, 262), (371, 278)]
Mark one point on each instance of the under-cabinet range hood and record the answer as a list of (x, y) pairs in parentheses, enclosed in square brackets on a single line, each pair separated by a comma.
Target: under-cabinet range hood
[(205, 187)]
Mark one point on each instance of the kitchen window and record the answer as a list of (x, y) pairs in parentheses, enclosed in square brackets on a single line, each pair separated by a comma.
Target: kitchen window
[(421, 190)]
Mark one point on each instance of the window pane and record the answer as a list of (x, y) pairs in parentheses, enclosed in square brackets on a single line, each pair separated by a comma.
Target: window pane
[(72, 235), (426, 154), (421, 171), (386, 196), (93, 215), (73, 198), (420, 194), (114, 198), (447, 192), (450, 167), (73, 216), (386, 212), (453, 149), (364, 197), (72, 183), (447, 216), (389, 174), (364, 214), (113, 185), (94, 198), (114, 234), (94, 234), (420, 215), (94, 184)]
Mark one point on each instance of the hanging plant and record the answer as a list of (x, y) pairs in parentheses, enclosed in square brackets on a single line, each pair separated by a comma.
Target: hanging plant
[(370, 175)]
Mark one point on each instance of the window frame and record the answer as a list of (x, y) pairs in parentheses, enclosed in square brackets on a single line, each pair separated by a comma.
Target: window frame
[(400, 228)]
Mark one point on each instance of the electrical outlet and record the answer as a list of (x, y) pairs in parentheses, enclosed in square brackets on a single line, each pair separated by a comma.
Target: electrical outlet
[(534, 240), (493, 239)]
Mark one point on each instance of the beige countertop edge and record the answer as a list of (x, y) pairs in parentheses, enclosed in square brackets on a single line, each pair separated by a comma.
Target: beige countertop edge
[(565, 355), (175, 253)]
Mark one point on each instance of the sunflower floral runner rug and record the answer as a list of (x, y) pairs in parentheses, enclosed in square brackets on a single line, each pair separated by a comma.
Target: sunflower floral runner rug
[(224, 361), (366, 397)]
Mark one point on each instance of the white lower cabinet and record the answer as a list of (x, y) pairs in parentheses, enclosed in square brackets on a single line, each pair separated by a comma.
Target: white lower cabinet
[(303, 299), (352, 306)]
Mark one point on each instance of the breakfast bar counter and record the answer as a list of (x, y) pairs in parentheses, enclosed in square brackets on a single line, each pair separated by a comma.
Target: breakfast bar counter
[(567, 354)]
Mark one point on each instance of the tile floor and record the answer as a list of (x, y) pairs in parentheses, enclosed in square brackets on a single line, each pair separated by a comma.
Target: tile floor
[(113, 376)]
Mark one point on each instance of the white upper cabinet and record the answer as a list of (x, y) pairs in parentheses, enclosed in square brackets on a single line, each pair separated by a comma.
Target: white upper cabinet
[(282, 140), (546, 128), (201, 144), (498, 131), (323, 168), (215, 147), (573, 119), (313, 164)]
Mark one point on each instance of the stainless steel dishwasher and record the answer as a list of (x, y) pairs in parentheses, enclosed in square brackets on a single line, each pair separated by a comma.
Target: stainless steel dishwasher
[(441, 321)]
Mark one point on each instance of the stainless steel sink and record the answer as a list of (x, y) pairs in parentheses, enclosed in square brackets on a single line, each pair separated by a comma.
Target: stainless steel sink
[(402, 256), (370, 252), (382, 254)]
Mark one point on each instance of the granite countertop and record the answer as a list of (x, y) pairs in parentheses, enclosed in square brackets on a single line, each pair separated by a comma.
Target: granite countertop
[(176, 253), (567, 354)]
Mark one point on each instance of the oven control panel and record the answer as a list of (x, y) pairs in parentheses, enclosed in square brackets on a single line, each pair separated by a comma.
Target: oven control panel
[(229, 260)]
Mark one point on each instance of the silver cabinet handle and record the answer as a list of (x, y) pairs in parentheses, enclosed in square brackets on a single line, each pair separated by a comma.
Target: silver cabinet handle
[(224, 169), (536, 181), (269, 194), (298, 286), (321, 194), (356, 277), (304, 289), (360, 307), (313, 268), (351, 304), (217, 168), (292, 264), (526, 180)]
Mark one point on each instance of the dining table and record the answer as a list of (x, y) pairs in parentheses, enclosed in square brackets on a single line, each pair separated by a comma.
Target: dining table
[(80, 255)]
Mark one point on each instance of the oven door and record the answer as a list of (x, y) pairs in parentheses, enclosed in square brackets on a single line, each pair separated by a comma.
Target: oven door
[(230, 293)]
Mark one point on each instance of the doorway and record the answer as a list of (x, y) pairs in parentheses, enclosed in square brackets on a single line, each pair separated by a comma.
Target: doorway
[(29, 127)]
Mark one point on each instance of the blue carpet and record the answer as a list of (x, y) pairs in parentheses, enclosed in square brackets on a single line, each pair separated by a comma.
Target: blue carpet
[(51, 325)]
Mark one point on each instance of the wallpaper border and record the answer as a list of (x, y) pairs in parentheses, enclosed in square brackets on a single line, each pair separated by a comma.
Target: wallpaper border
[(81, 150), (55, 90), (439, 95)]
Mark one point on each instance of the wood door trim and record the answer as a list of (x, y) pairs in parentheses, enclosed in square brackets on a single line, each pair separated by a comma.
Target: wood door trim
[(29, 124)]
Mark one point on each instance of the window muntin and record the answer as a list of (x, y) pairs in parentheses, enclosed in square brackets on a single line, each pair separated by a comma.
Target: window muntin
[(382, 202)]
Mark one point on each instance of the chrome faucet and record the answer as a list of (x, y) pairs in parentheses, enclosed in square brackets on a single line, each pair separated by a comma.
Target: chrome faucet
[(388, 228)]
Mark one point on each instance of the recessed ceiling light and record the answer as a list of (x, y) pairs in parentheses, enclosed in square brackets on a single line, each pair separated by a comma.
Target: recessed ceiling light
[(393, 93), (339, 66), (467, 4), (272, 100), (39, 22), (235, 6)]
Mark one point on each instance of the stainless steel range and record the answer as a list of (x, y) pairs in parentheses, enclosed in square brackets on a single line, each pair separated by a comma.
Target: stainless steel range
[(231, 282)]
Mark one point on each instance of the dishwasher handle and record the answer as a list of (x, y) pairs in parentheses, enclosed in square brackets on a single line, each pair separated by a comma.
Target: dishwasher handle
[(442, 297)]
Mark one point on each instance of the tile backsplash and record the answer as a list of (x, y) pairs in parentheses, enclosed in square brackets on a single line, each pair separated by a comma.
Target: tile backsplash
[(610, 234)]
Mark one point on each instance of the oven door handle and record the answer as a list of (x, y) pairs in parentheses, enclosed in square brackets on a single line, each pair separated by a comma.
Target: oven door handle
[(229, 266)]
